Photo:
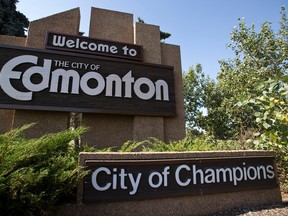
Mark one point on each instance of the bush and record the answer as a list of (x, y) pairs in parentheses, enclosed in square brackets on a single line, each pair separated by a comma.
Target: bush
[(35, 174), (190, 143), (271, 117)]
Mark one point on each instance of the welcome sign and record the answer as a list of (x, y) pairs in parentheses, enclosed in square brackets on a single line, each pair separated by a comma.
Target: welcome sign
[(128, 179), (93, 46), (49, 80)]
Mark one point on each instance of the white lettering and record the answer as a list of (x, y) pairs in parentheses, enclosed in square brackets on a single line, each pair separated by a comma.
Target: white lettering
[(132, 52), (83, 45), (70, 44), (125, 180), (161, 84), (92, 46), (92, 91), (270, 172), (252, 175), (113, 49), (134, 183), (177, 175), (165, 174), (224, 174), (44, 72), (201, 175), (144, 95), (66, 77), (103, 48), (7, 73), (238, 177), (70, 82), (58, 40), (210, 176), (95, 182), (113, 79), (128, 80), (158, 181)]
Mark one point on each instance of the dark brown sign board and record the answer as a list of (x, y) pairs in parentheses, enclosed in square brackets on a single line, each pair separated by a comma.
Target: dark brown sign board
[(59, 81), (88, 45), (148, 179)]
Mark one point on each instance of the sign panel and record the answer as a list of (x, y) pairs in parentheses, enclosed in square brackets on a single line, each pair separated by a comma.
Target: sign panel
[(49, 80), (125, 180), (93, 46)]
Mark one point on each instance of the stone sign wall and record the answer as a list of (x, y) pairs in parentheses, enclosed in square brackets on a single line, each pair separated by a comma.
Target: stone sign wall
[(186, 183), (131, 119)]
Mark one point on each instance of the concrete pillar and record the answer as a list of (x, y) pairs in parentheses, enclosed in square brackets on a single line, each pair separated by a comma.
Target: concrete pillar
[(12, 40), (47, 122), (174, 126), (106, 130), (6, 119), (111, 25), (67, 22), (7, 116), (149, 37)]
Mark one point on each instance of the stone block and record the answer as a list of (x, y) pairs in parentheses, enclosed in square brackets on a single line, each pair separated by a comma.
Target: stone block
[(111, 25), (149, 37), (174, 126), (106, 130), (47, 122), (67, 22), (12, 40), (7, 116), (187, 205)]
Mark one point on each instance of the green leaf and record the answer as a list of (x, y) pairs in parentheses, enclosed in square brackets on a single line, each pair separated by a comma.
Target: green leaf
[(285, 79), (257, 108), (266, 126), (258, 120)]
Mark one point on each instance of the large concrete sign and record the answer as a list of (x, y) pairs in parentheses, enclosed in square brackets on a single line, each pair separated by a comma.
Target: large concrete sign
[(49, 80), (118, 180)]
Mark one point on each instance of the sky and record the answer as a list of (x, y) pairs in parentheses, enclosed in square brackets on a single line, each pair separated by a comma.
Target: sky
[(200, 27)]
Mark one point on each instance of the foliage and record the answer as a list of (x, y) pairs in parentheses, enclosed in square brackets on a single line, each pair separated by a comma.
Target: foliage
[(195, 86), (259, 56), (249, 101), (35, 174), (193, 82), (189, 143), (201, 95), (12, 22), (271, 112)]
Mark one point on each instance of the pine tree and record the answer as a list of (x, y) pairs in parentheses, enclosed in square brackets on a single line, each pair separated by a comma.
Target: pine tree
[(12, 22)]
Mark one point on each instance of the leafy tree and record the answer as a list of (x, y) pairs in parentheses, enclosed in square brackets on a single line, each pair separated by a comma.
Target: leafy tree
[(193, 85), (271, 112), (216, 121), (259, 56), (202, 100), (271, 116), (12, 22)]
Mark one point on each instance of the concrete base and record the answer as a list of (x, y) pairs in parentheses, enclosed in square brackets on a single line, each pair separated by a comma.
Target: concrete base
[(185, 205), (196, 205), (6, 119)]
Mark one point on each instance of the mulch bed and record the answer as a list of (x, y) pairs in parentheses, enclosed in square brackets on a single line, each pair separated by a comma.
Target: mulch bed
[(260, 210)]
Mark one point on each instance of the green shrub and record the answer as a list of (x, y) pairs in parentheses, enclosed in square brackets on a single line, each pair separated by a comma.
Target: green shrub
[(197, 143), (35, 174), (271, 117)]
